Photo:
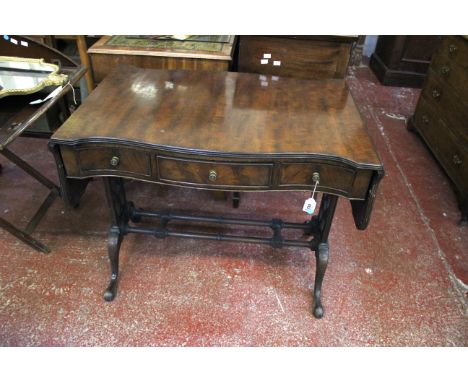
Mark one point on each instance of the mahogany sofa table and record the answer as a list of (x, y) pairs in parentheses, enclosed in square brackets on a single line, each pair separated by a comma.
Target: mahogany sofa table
[(220, 131)]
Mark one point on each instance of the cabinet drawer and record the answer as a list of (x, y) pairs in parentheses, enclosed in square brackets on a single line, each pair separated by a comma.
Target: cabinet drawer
[(214, 174), (85, 161), (293, 57), (448, 149), (334, 178), (455, 49), (453, 74), (448, 105)]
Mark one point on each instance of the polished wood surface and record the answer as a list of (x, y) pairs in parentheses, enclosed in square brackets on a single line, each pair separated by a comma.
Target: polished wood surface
[(216, 173), (442, 113), (220, 131), (104, 64), (106, 58), (313, 57), (188, 111)]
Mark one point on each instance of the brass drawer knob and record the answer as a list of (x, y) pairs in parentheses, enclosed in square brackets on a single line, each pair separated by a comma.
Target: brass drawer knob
[(436, 94), (444, 70), (452, 48), (425, 119), (212, 175), (456, 160), (315, 177), (114, 162)]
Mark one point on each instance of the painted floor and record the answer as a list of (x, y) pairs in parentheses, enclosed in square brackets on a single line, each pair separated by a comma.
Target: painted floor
[(402, 282)]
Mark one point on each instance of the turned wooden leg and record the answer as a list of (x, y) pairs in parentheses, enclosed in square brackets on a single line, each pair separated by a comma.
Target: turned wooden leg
[(321, 257), (113, 249)]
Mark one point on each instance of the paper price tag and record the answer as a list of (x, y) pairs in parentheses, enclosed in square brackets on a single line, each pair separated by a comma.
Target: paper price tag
[(53, 94), (309, 206)]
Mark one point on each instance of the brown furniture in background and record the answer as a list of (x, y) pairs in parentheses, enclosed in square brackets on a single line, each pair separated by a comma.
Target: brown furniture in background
[(313, 57), (403, 60), (84, 58), (212, 53), (441, 116), (220, 131)]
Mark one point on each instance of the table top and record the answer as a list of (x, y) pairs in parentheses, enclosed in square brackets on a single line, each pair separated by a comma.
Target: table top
[(239, 114)]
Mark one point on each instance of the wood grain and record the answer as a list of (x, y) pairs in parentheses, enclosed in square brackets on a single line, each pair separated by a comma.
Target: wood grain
[(220, 131), (106, 58), (299, 57), (229, 114), (442, 113), (226, 174)]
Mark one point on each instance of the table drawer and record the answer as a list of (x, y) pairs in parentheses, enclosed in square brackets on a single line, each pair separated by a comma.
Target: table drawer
[(214, 174), (106, 161), (334, 178)]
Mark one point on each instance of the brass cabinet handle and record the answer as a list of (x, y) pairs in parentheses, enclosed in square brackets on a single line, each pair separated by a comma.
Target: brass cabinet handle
[(456, 160), (444, 70), (114, 162), (436, 94), (212, 175), (425, 119), (452, 48)]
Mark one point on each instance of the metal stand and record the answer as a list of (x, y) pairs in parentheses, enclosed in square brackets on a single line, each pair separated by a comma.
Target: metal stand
[(25, 235), (122, 212)]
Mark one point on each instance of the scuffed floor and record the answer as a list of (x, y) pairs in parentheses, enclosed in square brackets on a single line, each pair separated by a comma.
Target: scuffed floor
[(401, 282)]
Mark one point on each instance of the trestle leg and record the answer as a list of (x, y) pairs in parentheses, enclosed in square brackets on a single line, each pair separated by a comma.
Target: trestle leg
[(323, 225), (113, 249), (321, 257), (122, 212), (120, 215)]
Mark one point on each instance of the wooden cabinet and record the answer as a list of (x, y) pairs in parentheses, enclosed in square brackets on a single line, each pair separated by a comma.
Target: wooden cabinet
[(195, 53), (403, 60), (314, 57), (441, 116)]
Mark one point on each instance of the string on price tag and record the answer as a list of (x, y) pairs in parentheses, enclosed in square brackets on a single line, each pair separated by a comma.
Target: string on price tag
[(310, 204)]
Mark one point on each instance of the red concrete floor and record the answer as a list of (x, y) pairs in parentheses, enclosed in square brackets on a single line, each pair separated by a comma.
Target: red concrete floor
[(402, 282)]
